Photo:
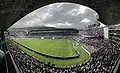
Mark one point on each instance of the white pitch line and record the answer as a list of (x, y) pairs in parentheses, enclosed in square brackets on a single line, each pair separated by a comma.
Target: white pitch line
[(85, 50)]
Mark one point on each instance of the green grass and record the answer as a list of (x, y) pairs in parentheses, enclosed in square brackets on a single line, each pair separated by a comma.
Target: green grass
[(56, 47)]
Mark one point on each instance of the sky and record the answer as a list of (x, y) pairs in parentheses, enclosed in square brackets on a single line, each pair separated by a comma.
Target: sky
[(59, 15)]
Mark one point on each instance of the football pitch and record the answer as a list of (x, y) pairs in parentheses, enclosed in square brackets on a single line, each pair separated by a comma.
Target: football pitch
[(57, 48)]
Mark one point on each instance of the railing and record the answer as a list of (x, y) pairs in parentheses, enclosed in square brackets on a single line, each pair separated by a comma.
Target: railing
[(12, 65), (116, 65)]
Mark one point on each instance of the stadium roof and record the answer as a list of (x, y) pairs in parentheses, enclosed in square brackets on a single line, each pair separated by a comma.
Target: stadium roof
[(13, 10), (101, 24)]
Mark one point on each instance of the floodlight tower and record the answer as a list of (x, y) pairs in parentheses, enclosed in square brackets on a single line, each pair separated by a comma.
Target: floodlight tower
[(106, 32)]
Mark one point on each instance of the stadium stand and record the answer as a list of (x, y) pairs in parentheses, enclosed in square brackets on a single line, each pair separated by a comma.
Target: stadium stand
[(54, 31), (102, 61)]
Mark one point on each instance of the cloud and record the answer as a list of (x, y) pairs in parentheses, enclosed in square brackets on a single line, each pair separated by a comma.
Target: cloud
[(78, 10), (59, 15), (85, 20)]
